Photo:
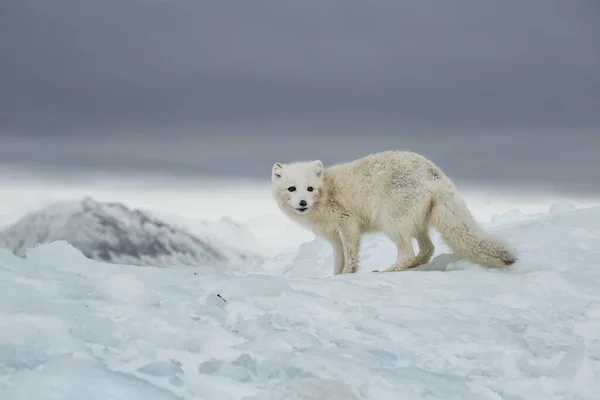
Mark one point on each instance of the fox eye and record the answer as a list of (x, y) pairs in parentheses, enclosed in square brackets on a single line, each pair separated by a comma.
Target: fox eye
[(292, 189), (310, 188)]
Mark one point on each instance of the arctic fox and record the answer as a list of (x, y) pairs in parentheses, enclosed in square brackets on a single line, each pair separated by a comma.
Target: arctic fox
[(397, 193)]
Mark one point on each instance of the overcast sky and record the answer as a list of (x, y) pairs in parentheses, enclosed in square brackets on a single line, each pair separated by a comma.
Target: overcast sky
[(493, 91)]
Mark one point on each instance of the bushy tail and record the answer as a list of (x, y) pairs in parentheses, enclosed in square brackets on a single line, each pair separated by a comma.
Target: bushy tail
[(451, 217)]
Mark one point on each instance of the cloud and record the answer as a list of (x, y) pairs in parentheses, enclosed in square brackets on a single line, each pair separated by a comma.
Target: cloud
[(87, 67), (492, 91), (531, 160)]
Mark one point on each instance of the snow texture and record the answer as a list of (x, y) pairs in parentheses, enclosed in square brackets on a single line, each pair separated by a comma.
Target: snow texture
[(73, 328), (114, 233)]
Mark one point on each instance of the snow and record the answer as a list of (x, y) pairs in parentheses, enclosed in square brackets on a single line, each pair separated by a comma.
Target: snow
[(122, 287), (73, 328)]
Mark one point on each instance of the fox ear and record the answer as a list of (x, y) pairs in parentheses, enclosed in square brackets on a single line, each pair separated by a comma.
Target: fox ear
[(318, 168), (276, 171)]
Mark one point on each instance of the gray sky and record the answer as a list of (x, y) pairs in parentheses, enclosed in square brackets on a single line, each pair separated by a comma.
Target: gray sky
[(503, 91)]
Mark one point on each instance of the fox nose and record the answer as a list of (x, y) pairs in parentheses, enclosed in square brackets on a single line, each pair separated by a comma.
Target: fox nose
[(302, 203)]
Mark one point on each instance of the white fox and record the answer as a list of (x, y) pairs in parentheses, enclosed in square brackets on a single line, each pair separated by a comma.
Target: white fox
[(398, 193)]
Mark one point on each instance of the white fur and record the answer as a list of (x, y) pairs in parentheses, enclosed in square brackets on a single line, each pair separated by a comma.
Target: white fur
[(398, 193)]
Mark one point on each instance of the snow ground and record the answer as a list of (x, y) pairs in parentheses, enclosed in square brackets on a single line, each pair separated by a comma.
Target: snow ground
[(72, 328)]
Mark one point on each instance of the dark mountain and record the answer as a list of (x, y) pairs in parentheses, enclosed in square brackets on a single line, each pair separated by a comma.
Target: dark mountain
[(115, 233)]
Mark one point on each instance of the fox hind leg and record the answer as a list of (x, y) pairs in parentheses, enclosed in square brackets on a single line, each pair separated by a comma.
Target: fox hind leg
[(406, 254), (406, 258), (426, 248)]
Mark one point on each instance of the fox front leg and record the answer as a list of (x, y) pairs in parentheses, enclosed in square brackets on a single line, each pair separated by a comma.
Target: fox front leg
[(339, 261), (350, 238)]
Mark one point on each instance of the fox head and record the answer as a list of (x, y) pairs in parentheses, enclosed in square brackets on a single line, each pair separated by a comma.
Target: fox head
[(297, 187)]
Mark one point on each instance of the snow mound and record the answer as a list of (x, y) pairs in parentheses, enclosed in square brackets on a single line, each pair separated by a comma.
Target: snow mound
[(71, 327)]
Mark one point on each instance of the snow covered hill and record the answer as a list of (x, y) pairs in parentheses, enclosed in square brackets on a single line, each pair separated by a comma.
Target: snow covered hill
[(223, 230), (114, 233), (72, 328)]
